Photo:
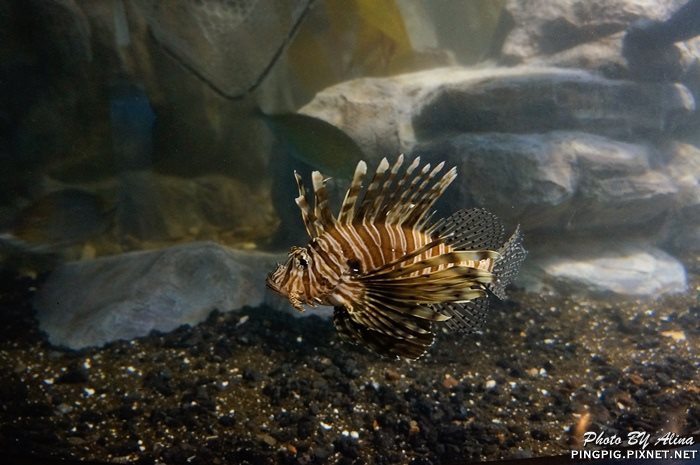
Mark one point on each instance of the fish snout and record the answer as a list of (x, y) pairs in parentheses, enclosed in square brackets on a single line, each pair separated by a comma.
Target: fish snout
[(270, 282)]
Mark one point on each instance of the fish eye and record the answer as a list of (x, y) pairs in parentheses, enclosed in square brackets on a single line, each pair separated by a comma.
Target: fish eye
[(302, 262), (355, 265)]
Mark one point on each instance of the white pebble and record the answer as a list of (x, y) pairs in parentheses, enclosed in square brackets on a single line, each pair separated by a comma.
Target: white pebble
[(490, 384)]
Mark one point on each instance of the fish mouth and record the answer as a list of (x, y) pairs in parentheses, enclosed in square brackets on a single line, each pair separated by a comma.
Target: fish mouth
[(271, 284)]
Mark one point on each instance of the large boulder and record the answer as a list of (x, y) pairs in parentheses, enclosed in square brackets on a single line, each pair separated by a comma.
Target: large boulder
[(678, 62), (390, 115), (589, 35), (602, 267), (531, 99), (603, 55), (90, 303), (544, 27), (683, 168), (563, 181)]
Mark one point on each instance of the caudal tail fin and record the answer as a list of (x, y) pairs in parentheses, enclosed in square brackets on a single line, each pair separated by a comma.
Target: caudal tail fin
[(505, 270)]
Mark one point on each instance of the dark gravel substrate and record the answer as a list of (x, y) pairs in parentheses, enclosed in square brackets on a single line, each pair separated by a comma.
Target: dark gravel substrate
[(263, 387)]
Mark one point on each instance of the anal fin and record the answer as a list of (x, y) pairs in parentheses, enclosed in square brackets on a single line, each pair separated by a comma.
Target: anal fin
[(380, 342), (466, 317)]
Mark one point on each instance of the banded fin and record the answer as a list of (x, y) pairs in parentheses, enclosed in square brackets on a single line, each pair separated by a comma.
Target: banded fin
[(415, 316), (381, 316), (398, 192), (380, 342), (412, 209), (410, 295), (466, 317), (393, 199), (513, 254), (391, 316), (470, 229), (379, 208), (307, 215), (347, 209), (322, 211), (373, 191), (426, 201), (420, 296), (450, 258)]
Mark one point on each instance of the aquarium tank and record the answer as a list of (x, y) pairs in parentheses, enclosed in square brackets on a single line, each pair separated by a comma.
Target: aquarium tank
[(349, 231)]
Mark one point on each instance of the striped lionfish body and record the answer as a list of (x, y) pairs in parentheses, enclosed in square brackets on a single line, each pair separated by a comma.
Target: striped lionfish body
[(388, 272)]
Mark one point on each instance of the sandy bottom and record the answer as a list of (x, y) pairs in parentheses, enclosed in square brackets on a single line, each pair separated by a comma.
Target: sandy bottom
[(264, 387)]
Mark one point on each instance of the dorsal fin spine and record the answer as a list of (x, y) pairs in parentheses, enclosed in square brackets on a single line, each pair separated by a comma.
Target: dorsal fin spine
[(371, 194), (322, 211), (382, 201), (419, 216), (307, 215), (406, 202), (347, 209), (398, 204)]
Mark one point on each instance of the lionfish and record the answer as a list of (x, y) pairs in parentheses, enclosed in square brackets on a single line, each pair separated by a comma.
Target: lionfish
[(388, 271)]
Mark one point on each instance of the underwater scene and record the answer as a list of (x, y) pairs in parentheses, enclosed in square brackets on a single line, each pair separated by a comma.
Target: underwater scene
[(349, 231)]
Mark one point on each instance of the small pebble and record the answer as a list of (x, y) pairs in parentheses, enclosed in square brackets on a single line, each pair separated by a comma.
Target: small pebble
[(449, 382), (677, 336), (267, 439)]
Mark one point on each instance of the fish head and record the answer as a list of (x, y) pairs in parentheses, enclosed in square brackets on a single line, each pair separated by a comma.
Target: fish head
[(292, 279)]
